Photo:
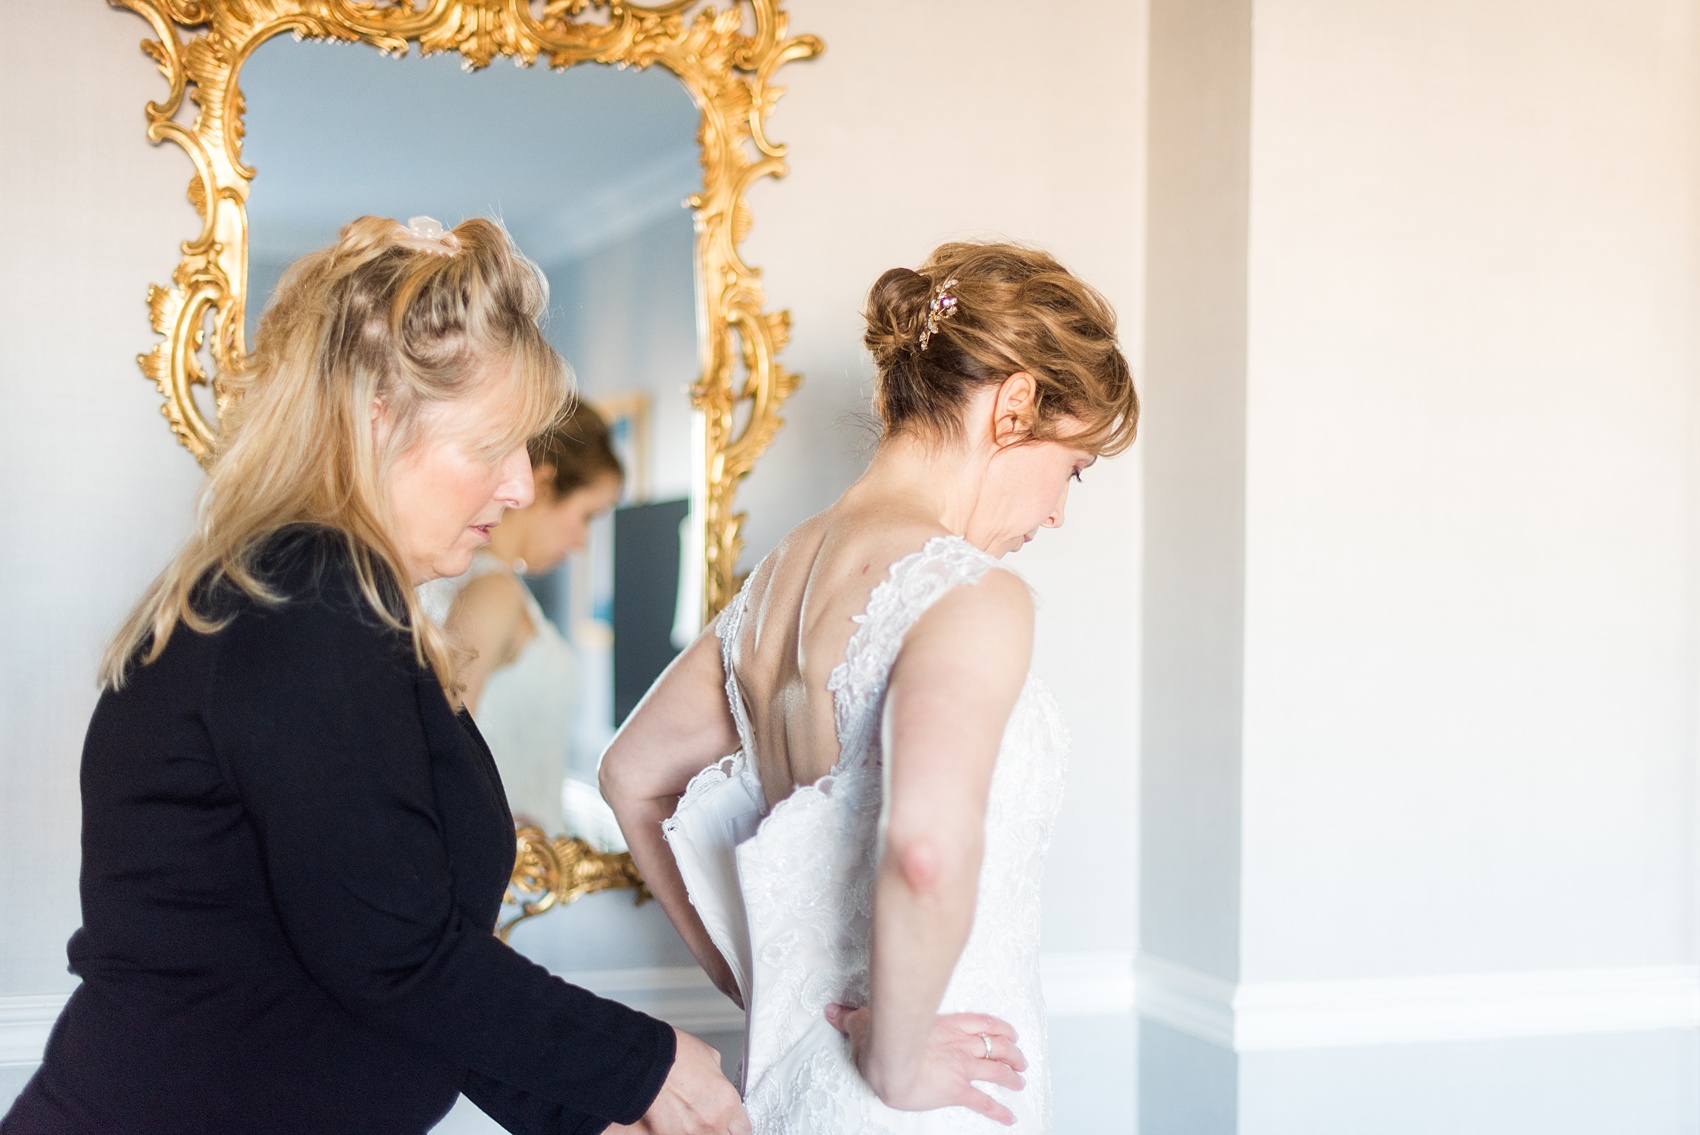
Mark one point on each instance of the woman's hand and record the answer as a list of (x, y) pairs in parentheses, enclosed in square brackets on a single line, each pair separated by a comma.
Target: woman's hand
[(955, 1057), (696, 1098)]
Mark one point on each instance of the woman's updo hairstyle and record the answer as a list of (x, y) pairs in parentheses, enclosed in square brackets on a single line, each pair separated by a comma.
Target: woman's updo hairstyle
[(410, 318), (975, 313), (578, 449)]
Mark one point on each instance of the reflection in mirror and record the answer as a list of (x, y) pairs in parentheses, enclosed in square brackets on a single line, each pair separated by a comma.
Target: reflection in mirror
[(589, 169)]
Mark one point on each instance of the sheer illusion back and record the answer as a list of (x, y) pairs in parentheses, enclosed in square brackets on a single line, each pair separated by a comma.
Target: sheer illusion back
[(786, 893)]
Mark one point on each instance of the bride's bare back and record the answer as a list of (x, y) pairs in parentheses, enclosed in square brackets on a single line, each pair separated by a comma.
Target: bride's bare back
[(799, 616)]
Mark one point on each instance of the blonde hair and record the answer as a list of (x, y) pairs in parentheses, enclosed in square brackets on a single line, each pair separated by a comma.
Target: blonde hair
[(375, 319), (1015, 309)]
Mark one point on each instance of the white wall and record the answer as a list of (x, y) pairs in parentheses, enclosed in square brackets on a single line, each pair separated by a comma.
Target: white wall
[(1194, 451), (95, 493), (1469, 641), (1467, 885)]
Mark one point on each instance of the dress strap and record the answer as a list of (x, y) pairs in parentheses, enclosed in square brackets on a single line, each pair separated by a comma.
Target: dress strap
[(914, 584), (728, 625)]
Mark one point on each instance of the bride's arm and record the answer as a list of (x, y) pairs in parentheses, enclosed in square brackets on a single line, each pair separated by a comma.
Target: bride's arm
[(681, 726), (951, 691)]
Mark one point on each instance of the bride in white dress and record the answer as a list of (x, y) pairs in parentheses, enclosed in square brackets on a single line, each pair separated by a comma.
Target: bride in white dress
[(862, 872)]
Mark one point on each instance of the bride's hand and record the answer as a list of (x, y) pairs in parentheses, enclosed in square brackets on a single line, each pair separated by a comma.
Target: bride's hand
[(719, 970), (721, 974), (955, 1057)]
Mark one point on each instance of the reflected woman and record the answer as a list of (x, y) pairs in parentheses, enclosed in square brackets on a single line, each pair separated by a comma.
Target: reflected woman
[(295, 842), (863, 873), (522, 676)]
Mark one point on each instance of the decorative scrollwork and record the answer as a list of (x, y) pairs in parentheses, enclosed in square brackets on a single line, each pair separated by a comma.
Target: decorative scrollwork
[(200, 46), (726, 59), (553, 872)]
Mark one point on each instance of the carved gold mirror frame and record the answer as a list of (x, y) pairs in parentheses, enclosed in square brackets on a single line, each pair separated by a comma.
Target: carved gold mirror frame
[(725, 57)]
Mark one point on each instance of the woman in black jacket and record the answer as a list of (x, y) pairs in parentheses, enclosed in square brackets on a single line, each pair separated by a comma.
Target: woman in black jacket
[(294, 842)]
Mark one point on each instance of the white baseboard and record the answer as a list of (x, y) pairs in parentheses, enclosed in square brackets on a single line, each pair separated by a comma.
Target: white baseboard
[(24, 1024), (1195, 1003), (1277, 1015), (1076, 984), (1248, 1017), (680, 995), (1088, 983)]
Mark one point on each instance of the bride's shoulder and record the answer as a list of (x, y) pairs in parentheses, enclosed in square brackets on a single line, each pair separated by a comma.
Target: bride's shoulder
[(978, 634), (993, 595)]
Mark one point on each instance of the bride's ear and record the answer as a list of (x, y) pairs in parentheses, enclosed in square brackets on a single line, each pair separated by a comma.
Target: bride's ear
[(1013, 409)]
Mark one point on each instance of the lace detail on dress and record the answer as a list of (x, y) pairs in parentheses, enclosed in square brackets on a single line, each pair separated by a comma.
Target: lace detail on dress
[(730, 625), (730, 622), (792, 898), (913, 584), (705, 782)]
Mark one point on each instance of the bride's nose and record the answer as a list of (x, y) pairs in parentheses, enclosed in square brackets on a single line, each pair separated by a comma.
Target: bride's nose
[(1055, 520)]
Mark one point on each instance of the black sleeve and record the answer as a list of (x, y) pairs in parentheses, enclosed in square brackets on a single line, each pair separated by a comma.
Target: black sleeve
[(522, 1113), (314, 710)]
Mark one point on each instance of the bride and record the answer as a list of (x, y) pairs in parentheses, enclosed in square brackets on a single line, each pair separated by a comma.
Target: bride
[(862, 874)]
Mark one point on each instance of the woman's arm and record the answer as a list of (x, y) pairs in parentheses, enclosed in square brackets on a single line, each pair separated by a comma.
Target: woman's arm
[(951, 691), (488, 619), (682, 725)]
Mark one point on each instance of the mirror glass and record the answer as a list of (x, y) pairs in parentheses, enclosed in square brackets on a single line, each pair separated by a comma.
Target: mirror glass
[(589, 170)]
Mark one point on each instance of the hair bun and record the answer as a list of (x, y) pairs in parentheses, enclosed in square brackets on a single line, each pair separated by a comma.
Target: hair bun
[(897, 310), (989, 310)]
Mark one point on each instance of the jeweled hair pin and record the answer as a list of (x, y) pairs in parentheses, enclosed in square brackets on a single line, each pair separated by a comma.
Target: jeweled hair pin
[(429, 235), (940, 308)]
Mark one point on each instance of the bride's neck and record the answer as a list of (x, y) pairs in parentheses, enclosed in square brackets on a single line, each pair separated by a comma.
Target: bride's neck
[(941, 477)]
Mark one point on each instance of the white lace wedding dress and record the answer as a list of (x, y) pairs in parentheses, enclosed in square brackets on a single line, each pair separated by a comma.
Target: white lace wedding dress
[(787, 896)]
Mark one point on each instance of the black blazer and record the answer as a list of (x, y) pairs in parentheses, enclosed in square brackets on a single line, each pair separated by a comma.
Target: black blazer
[(294, 854)]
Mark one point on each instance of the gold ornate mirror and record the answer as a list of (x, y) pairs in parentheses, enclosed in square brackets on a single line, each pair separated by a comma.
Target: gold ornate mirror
[(723, 57)]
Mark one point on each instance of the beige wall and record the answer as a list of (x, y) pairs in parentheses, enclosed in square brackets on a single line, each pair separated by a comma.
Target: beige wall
[(96, 492), (1466, 767), (1471, 561)]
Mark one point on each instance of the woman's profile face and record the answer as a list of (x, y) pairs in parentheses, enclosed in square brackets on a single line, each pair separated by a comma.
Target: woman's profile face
[(1025, 489), (563, 522), (447, 491)]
